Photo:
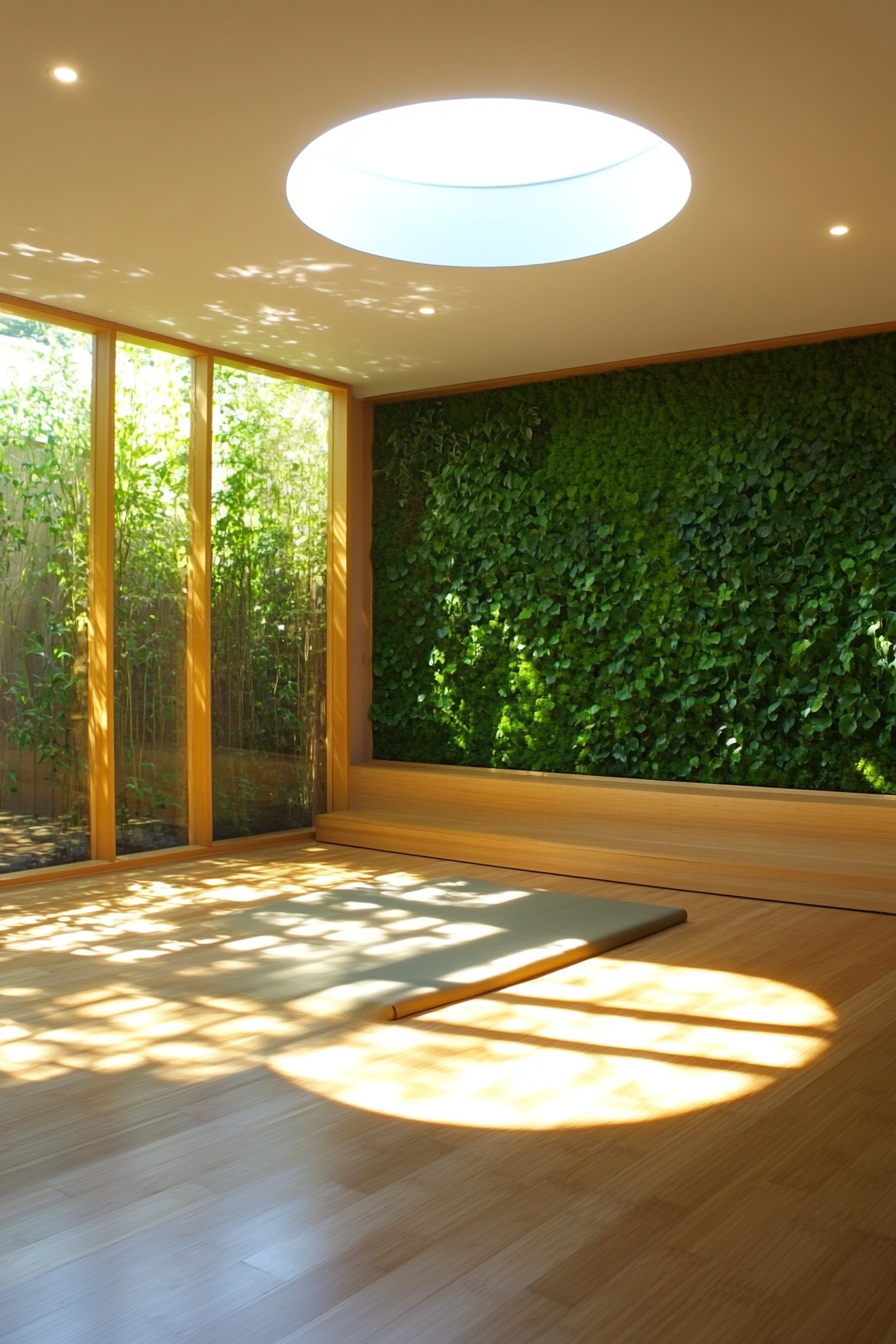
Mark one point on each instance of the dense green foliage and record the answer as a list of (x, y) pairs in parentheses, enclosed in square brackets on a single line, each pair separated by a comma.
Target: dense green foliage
[(269, 496), (268, 596), (152, 543), (269, 548), (45, 380), (684, 571)]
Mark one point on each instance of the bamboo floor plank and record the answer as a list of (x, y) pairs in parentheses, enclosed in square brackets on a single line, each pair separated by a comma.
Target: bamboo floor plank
[(179, 1163)]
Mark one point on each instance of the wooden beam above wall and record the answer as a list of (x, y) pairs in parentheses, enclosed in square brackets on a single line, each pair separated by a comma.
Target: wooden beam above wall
[(673, 357)]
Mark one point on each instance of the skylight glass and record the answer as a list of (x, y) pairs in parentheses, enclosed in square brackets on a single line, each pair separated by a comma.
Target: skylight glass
[(487, 182)]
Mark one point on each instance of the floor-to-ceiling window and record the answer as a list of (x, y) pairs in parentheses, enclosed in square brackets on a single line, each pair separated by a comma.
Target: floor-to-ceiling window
[(120, 731), (45, 434), (152, 551), (269, 551)]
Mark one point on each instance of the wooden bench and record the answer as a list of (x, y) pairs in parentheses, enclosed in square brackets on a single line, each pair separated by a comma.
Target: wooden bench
[(779, 844)]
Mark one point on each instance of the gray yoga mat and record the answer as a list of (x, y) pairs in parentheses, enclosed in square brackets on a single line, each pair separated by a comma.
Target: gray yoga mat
[(387, 950)]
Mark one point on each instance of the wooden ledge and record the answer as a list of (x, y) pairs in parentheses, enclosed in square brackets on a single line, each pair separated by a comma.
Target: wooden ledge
[(817, 849), (734, 875)]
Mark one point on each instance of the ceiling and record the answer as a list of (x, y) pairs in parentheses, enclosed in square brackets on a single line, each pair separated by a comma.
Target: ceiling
[(152, 192)]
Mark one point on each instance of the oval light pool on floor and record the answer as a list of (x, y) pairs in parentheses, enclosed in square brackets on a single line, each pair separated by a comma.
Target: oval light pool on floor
[(487, 182)]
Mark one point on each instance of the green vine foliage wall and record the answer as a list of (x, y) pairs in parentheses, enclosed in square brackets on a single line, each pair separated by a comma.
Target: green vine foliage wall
[(684, 571)]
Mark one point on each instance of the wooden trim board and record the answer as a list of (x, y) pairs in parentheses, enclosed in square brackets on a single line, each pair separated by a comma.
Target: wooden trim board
[(101, 645), (639, 362), (338, 746), (360, 582), (76, 321), (787, 845), (199, 609)]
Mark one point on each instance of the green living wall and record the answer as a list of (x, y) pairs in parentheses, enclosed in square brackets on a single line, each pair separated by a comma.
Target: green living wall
[(683, 571)]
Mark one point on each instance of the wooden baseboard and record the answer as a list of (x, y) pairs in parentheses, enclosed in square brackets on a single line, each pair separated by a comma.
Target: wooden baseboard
[(151, 858), (783, 845)]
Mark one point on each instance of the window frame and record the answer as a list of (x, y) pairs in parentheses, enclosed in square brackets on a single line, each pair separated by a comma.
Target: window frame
[(101, 762)]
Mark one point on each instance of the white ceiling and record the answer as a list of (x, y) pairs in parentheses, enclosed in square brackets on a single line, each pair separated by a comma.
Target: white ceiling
[(153, 191)]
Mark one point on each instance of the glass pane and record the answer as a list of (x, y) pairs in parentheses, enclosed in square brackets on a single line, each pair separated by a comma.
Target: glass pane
[(45, 392), (152, 539), (269, 546)]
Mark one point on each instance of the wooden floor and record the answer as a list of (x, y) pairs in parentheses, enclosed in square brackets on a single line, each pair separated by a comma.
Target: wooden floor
[(690, 1141)]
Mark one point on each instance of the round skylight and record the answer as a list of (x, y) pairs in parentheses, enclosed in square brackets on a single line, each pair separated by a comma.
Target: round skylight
[(487, 182)]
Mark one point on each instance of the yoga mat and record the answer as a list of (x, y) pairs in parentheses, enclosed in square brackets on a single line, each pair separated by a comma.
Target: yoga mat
[(387, 949)]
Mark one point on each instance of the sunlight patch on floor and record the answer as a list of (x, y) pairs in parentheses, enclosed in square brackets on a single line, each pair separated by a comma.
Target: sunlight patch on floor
[(605, 1042), (145, 978)]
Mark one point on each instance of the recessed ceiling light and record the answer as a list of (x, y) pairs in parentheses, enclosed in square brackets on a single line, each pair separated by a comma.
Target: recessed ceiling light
[(487, 182), (65, 74), (838, 230), (427, 312)]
